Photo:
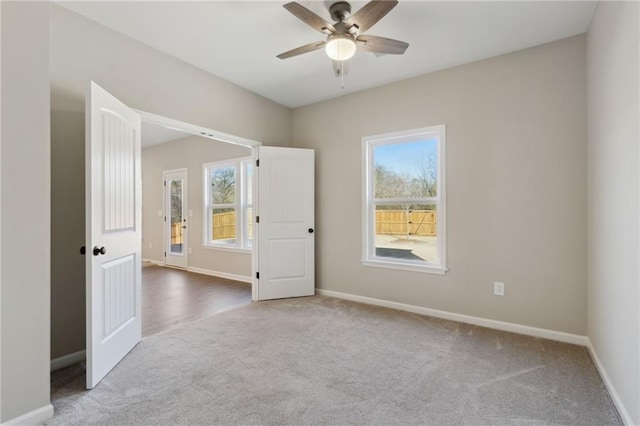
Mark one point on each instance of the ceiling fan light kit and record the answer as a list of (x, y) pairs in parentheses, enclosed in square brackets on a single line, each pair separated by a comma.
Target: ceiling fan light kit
[(340, 47), (344, 37)]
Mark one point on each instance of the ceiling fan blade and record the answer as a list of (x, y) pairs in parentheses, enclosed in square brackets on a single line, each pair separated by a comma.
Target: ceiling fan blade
[(371, 13), (302, 49), (377, 44), (310, 18), (340, 68)]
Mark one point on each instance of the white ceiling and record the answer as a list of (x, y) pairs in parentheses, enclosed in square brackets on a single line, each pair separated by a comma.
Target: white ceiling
[(239, 40)]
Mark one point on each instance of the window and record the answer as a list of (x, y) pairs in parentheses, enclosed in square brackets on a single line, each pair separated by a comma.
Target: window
[(228, 204), (403, 203)]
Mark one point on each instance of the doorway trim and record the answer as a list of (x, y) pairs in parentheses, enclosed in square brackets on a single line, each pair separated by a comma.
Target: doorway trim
[(195, 130), (216, 135)]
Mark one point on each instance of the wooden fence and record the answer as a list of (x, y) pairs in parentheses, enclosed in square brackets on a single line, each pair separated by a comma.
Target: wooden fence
[(224, 226), (396, 222), (176, 233), (388, 222)]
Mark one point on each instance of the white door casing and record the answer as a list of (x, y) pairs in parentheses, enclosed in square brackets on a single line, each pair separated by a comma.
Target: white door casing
[(286, 234), (176, 235), (113, 232)]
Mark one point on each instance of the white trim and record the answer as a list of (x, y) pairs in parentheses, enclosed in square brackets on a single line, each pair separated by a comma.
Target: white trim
[(35, 417), (622, 410), (405, 266), (231, 249), (193, 129), (241, 240), (242, 278), (255, 154), (68, 360), (153, 261), (369, 143), (559, 336)]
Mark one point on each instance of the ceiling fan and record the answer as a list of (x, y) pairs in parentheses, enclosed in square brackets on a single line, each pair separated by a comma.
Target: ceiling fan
[(344, 36)]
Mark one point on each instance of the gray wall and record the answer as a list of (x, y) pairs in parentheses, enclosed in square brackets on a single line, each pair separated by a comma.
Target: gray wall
[(614, 174), (516, 182), (146, 79), (190, 153), (143, 78), (25, 198), (67, 233)]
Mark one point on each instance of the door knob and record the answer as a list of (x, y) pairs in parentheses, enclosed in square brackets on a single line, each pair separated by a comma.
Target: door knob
[(311, 230), (83, 250), (99, 250)]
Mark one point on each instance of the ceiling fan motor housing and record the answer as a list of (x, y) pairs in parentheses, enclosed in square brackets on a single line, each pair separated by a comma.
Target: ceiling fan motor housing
[(340, 11)]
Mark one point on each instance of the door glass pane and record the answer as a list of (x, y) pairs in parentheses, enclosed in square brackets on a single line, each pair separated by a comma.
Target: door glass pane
[(406, 170), (177, 230), (406, 232), (223, 222)]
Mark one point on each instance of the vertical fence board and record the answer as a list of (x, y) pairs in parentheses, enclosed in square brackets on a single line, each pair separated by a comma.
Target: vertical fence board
[(396, 222)]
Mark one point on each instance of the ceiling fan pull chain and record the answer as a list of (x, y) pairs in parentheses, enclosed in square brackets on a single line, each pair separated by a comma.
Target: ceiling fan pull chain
[(342, 74)]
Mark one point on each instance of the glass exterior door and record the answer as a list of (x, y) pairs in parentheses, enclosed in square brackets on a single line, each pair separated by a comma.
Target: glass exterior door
[(176, 232)]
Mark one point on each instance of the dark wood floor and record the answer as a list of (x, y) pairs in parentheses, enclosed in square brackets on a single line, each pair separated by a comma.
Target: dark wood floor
[(171, 297)]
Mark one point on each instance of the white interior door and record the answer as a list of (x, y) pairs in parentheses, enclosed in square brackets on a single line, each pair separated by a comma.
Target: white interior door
[(285, 263), (113, 220), (176, 245)]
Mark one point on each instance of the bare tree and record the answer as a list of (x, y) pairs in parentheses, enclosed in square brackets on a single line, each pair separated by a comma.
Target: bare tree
[(223, 185), (176, 201), (426, 172), (421, 182)]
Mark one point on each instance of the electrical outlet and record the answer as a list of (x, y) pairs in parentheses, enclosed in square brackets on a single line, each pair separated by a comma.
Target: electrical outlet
[(498, 288), (189, 250), (159, 213), (150, 245)]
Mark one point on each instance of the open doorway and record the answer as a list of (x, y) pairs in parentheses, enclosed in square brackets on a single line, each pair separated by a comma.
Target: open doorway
[(282, 243), (194, 225)]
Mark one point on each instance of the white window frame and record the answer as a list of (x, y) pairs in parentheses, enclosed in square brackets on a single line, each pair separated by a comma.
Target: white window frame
[(369, 202), (245, 204), (240, 204)]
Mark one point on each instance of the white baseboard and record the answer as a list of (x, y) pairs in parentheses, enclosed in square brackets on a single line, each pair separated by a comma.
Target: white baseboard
[(483, 322), (226, 275), (35, 417), (615, 397), (203, 271), (67, 360)]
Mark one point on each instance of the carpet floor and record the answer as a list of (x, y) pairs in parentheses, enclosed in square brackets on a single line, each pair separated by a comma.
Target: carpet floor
[(325, 361)]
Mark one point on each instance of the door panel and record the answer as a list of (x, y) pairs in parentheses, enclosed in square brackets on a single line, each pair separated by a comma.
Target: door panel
[(113, 215), (286, 238), (118, 289), (119, 167)]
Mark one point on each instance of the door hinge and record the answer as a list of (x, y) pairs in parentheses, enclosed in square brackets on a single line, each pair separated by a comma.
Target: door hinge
[(257, 219), (165, 218), (165, 254), (165, 183), (258, 275), (258, 162)]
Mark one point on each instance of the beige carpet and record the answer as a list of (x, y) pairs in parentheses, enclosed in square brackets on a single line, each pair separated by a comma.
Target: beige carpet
[(324, 361)]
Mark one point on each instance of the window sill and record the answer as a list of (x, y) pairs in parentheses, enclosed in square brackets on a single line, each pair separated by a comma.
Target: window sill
[(405, 266), (229, 249)]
